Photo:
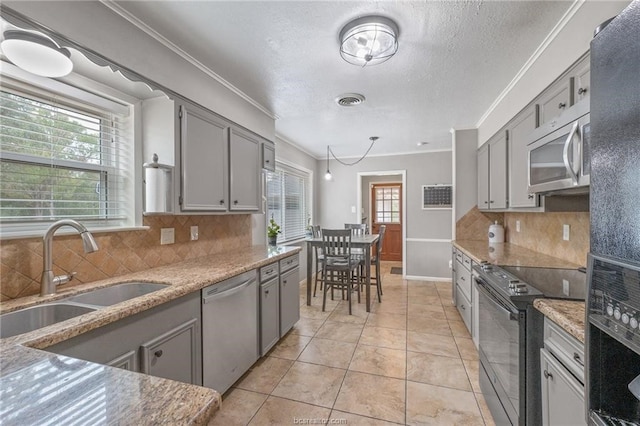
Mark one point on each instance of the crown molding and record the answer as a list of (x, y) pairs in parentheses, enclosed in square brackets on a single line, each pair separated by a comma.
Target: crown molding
[(280, 138), (573, 9), (119, 10)]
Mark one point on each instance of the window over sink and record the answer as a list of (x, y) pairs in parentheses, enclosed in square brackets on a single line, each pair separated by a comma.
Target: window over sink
[(288, 200)]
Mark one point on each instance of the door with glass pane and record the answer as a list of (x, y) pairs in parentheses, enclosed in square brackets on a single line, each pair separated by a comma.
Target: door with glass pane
[(386, 208)]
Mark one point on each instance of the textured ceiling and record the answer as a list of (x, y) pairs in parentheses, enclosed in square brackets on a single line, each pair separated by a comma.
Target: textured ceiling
[(454, 59)]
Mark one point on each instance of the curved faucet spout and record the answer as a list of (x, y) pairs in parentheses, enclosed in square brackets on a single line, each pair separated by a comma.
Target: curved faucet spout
[(49, 281)]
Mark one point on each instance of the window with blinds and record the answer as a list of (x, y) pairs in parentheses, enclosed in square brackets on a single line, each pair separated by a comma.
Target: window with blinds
[(287, 203), (62, 159)]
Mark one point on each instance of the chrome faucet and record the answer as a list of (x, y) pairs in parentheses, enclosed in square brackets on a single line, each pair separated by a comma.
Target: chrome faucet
[(49, 281)]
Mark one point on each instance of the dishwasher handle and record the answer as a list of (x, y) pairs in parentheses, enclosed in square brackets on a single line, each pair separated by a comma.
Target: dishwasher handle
[(231, 291)]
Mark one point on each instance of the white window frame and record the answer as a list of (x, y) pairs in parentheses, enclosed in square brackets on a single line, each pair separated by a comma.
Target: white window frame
[(89, 100), (284, 165)]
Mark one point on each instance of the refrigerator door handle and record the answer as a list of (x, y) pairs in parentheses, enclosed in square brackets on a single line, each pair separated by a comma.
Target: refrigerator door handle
[(565, 153)]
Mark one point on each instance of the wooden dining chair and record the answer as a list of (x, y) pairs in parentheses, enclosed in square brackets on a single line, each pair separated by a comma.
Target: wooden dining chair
[(318, 257), (339, 266), (375, 260)]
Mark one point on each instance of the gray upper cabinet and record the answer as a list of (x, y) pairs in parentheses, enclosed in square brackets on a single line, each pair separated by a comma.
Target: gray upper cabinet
[(245, 171), (556, 99), (483, 177), (582, 79), (519, 129), (268, 156), (498, 172), (204, 153), (492, 173)]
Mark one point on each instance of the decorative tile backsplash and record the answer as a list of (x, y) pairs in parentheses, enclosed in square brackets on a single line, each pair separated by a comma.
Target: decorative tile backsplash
[(120, 253), (475, 225), (542, 232)]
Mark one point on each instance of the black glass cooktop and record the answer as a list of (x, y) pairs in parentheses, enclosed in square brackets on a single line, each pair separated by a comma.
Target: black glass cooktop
[(553, 282)]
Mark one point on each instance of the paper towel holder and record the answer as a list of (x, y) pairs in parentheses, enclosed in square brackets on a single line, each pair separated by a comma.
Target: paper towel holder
[(158, 187)]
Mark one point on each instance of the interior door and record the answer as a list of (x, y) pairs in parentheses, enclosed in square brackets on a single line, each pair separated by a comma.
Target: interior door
[(386, 209)]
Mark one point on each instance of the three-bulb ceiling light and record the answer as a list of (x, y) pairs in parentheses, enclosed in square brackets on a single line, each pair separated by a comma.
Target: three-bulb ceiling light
[(370, 40), (328, 175), (36, 54)]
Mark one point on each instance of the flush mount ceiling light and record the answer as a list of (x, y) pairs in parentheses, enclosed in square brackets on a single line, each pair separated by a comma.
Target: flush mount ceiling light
[(370, 40), (36, 54), (328, 175)]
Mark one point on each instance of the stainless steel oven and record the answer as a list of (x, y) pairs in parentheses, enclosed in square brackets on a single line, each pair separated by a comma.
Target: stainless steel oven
[(510, 335), (500, 333), (559, 154)]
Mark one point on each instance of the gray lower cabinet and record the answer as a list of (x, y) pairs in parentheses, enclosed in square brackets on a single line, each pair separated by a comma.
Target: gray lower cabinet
[(173, 354), (164, 341), (289, 299), (269, 314), (562, 377)]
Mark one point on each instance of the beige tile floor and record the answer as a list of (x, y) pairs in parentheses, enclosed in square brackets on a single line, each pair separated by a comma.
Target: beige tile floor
[(410, 361)]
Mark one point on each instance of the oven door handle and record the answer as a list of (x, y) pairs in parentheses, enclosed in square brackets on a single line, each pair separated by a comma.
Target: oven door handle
[(482, 287)]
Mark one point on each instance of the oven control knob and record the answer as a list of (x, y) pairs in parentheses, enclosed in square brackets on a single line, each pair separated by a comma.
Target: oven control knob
[(633, 322), (513, 283), (625, 318), (610, 310), (617, 313)]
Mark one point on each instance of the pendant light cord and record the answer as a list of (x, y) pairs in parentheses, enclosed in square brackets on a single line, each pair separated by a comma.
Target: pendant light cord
[(344, 163)]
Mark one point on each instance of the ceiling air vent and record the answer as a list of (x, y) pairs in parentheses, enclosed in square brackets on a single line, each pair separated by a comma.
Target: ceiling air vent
[(350, 99)]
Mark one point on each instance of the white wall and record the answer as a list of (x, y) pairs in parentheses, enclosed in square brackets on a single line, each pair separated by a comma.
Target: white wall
[(92, 25), (465, 171), (424, 256), (570, 42)]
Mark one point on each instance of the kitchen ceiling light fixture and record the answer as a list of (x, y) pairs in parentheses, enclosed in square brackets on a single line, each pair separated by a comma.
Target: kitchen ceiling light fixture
[(328, 175), (370, 40), (36, 54)]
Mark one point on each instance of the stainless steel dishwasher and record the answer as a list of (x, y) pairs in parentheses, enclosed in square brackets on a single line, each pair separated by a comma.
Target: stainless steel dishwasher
[(229, 330)]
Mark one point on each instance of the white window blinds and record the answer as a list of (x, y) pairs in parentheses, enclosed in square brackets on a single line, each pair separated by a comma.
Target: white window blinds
[(61, 159), (287, 204)]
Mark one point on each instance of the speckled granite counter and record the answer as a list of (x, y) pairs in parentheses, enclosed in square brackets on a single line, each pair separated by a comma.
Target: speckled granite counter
[(567, 314), (39, 387), (506, 254)]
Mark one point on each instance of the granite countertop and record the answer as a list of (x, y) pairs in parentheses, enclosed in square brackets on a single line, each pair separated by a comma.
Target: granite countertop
[(568, 314), (70, 388), (506, 254)]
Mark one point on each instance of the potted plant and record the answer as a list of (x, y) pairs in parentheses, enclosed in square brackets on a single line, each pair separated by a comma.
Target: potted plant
[(272, 232)]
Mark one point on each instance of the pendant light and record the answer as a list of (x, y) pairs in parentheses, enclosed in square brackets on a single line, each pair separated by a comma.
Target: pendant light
[(327, 175), (370, 40), (36, 54)]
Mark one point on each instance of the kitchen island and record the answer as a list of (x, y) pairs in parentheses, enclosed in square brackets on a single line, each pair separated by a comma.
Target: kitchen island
[(36, 385)]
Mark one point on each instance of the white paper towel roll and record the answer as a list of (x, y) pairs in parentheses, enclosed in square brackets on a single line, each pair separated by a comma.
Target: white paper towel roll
[(156, 190)]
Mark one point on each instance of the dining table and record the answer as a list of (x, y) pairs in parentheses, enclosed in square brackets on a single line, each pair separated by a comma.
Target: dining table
[(364, 242)]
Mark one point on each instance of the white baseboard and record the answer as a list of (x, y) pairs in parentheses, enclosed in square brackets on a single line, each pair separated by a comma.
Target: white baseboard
[(421, 278)]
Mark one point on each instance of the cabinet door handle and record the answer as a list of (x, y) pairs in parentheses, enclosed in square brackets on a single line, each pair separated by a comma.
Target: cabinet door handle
[(576, 358), (548, 375), (284, 282), (221, 202), (562, 105), (235, 201), (266, 292), (491, 202), (266, 161), (582, 91), (485, 202), (530, 196), (158, 354), (463, 308)]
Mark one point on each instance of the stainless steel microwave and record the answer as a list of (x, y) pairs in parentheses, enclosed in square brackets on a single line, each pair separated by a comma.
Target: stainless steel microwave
[(558, 152)]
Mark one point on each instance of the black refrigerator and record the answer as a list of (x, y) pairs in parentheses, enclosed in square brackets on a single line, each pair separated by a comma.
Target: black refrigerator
[(612, 388)]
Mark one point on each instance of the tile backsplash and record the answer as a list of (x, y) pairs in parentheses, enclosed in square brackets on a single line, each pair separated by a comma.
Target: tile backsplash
[(474, 225), (120, 252), (542, 232)]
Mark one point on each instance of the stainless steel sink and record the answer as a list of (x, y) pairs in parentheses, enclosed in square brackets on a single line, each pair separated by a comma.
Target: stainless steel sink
[(115, 294), (36, 317)]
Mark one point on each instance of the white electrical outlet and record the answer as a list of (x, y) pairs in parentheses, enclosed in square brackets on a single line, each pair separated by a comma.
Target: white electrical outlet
[(565, 232), (517, 226), (353, 209), (167, 236), (565, 287), (194, 233)]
